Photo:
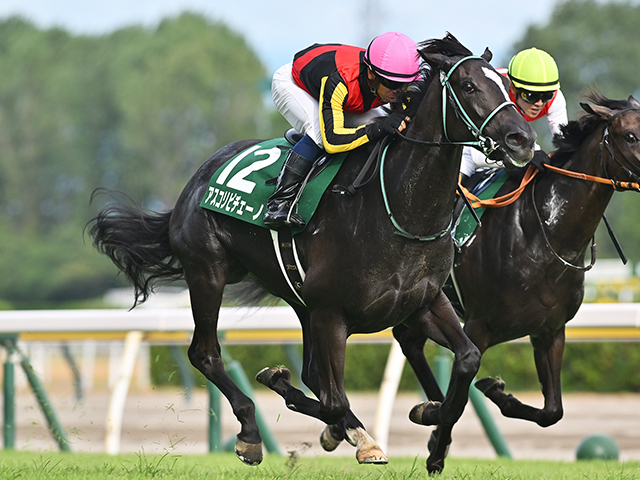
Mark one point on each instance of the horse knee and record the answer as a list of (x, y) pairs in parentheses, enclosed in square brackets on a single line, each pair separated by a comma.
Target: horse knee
[(468, 363)]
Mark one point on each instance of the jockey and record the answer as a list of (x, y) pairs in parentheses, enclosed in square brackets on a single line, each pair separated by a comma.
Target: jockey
[(535, 90), (330, 93)]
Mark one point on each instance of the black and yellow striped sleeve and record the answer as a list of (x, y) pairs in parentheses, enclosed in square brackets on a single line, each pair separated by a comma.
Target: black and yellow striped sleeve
[(335, 135)]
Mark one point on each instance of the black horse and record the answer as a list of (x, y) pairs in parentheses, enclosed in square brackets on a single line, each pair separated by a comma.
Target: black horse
[(364, 271), (522, 271)]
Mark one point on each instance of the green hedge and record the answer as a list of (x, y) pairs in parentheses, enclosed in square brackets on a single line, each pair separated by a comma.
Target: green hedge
[(595, 367)]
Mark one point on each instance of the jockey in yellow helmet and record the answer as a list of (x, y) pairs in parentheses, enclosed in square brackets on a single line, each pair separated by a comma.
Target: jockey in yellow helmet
[(535, 89)]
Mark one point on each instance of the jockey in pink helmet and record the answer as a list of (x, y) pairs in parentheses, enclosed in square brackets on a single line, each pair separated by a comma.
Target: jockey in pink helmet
[(331, 94)]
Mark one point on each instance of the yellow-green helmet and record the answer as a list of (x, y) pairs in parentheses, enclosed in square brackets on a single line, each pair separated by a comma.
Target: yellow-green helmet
[(534, 70)]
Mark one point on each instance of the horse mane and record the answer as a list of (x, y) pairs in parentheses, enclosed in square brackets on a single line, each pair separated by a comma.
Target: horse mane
[(573, 133), (449, 46)]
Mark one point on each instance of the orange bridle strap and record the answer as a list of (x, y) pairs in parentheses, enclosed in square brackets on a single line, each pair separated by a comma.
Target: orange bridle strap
[(583, 176), (530, 174), (504, 200)]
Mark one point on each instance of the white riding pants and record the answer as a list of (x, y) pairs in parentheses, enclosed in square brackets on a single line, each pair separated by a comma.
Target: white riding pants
[(302, 110)]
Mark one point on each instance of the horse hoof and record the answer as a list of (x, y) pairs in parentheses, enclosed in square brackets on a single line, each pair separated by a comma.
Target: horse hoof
[(328, 442), (371, 455), (435, 466), (425, 413), (249, 453), (488, 385), (268, 376)]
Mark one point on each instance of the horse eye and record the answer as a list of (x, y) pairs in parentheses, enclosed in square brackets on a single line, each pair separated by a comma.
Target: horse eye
[(468, 87), (631, 138)]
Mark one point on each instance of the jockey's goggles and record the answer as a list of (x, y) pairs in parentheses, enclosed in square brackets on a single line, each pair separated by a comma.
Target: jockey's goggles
[(392, 84), (535, 97)]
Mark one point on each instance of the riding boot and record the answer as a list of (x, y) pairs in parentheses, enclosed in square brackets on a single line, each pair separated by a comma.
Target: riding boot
[(280, 205)]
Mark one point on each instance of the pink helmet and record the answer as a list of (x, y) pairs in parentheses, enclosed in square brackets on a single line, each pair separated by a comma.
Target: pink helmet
[(393, 56)]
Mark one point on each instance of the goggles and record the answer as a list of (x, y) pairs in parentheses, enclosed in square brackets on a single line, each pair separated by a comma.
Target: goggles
[(393, 85), (535, 97)]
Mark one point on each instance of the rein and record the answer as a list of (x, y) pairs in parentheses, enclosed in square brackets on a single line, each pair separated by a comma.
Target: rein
[(485, 144)]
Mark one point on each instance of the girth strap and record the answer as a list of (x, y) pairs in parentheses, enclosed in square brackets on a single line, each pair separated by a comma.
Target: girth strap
[(287, 255)]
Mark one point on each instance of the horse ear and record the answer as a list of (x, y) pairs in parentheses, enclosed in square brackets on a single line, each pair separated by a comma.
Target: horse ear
[(634, 102), (603, 112), (487, 55), (436, 60)]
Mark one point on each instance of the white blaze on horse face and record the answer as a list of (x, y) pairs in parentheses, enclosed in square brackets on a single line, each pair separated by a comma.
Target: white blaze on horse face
[(496, 77)]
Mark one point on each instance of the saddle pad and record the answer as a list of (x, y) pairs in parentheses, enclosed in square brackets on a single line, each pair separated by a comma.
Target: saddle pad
[(238, 188), (487, 188)]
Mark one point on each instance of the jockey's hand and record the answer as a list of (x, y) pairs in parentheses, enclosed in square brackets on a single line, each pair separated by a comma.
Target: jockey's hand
[(540, 157), (389, 125)]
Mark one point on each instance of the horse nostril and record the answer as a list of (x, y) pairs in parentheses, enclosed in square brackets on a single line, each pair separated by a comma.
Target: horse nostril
[(516, 139)]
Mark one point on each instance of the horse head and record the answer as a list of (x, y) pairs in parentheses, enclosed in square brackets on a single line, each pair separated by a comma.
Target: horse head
[(477, 95), (620, 141)]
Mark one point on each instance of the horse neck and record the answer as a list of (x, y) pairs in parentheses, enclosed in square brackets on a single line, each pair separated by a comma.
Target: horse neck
[(571, 209), (424, 176)]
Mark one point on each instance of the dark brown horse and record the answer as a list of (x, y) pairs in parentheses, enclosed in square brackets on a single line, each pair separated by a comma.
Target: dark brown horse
[(372, 260), (522, 271)]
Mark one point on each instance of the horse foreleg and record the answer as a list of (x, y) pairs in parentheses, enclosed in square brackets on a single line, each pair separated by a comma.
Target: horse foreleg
[(440, 323), (548, 351), (278, 379), (367, 450)]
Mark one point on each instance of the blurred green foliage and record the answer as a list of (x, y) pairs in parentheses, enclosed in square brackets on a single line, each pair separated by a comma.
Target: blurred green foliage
[(138, 111), (587, 367)]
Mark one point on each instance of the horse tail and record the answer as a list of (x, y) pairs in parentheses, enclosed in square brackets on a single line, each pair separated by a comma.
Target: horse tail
[(137, 242)]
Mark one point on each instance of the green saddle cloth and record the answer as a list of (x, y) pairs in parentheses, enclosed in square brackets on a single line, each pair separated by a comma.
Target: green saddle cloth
[(238, 188), (487, 188)]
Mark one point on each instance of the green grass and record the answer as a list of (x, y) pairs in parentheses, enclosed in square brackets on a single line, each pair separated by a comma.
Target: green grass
[(72, 466)]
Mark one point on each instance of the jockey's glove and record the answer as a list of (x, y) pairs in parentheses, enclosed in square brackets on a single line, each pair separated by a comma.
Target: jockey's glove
[(385, 125), (540, 157)]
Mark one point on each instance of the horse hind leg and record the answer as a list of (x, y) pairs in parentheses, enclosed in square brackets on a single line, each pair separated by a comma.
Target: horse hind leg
[(548, 351), (367, 450), (205, 291), (412, 344)]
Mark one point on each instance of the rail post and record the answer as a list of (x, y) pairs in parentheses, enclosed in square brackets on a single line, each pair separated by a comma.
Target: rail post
[(215, 423), (9, 392)]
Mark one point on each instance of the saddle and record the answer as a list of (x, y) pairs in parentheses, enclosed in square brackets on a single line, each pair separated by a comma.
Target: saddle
[(484, 184)]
